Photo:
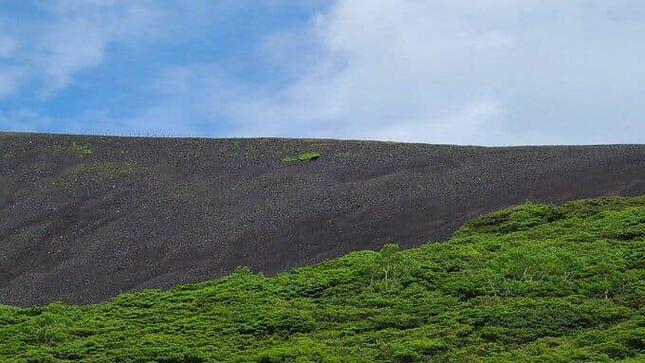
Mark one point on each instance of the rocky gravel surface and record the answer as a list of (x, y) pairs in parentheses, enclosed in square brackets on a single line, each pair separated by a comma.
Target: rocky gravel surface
[(85, 218)]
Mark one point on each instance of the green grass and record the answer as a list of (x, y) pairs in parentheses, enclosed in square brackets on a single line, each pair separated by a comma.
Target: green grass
[(6, 156), (184, 192), (81, 149), (305, 157), (74, 149), (535, 283), (94, 173)]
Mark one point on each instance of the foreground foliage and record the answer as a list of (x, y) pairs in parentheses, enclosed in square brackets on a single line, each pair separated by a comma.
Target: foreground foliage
[(531, 283)]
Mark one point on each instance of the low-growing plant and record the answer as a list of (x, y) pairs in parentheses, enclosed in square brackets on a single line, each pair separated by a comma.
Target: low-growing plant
[(6, 156), (95, 173), (305, 157), (289, 159), (73, 149), (81, 149)]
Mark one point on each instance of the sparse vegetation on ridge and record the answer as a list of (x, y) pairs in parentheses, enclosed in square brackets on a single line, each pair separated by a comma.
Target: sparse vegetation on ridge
[(526, 284)]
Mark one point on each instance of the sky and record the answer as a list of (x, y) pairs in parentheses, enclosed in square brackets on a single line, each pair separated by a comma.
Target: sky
[(483, 72)]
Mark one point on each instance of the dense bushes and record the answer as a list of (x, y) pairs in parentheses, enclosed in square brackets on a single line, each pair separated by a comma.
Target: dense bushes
[(531, 283)]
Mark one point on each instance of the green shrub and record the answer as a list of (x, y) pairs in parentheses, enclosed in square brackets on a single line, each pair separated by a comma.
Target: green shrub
[(532, 283), (309, 156), (81, 149), (305, 157)]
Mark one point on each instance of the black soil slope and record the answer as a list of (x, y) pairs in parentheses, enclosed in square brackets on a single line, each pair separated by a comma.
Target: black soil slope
[(84, 218)]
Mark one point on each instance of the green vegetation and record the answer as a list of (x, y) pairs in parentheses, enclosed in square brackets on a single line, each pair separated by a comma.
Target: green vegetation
[(6, 156), (184, 192), (94, 173), (535, 283), (289, 159), (81, 149), (308, 156), (74, 149)]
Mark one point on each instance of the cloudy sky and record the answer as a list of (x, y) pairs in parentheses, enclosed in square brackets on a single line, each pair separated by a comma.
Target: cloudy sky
[(487, 72)]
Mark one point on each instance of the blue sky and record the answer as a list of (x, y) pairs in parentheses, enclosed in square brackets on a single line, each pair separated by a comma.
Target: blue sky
[(487, 72)]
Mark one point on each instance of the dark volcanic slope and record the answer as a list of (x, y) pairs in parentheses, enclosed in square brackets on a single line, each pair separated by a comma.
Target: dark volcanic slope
[(84, 218)]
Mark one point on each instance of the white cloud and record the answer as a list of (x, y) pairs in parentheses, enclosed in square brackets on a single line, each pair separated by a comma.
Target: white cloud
[(78, 37), (387, 70), (471, 124), (73, 47), (485, 72), (442, 71), (73, 36)]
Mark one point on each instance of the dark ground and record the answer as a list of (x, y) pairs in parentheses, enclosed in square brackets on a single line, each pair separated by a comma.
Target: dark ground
[(85, 218)]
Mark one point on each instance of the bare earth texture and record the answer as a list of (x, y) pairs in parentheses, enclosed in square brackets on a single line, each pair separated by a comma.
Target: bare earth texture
[(85, 218)]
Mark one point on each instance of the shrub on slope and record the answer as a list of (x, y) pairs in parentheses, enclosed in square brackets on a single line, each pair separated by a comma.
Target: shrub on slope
[(531, 283)]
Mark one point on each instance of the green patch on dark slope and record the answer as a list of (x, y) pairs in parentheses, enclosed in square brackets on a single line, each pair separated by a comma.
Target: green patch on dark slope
[(91, 174), (304, 157), (82, 150), (531, 283), (6, 155)]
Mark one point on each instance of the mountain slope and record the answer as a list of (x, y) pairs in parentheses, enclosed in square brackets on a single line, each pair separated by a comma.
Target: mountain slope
[(533, 283), (85, 218)]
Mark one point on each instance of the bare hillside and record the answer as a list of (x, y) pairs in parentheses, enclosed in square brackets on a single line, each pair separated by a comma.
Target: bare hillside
[(84, 218)]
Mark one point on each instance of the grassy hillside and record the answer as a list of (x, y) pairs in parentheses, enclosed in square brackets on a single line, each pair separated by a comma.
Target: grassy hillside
[(531, 283)]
